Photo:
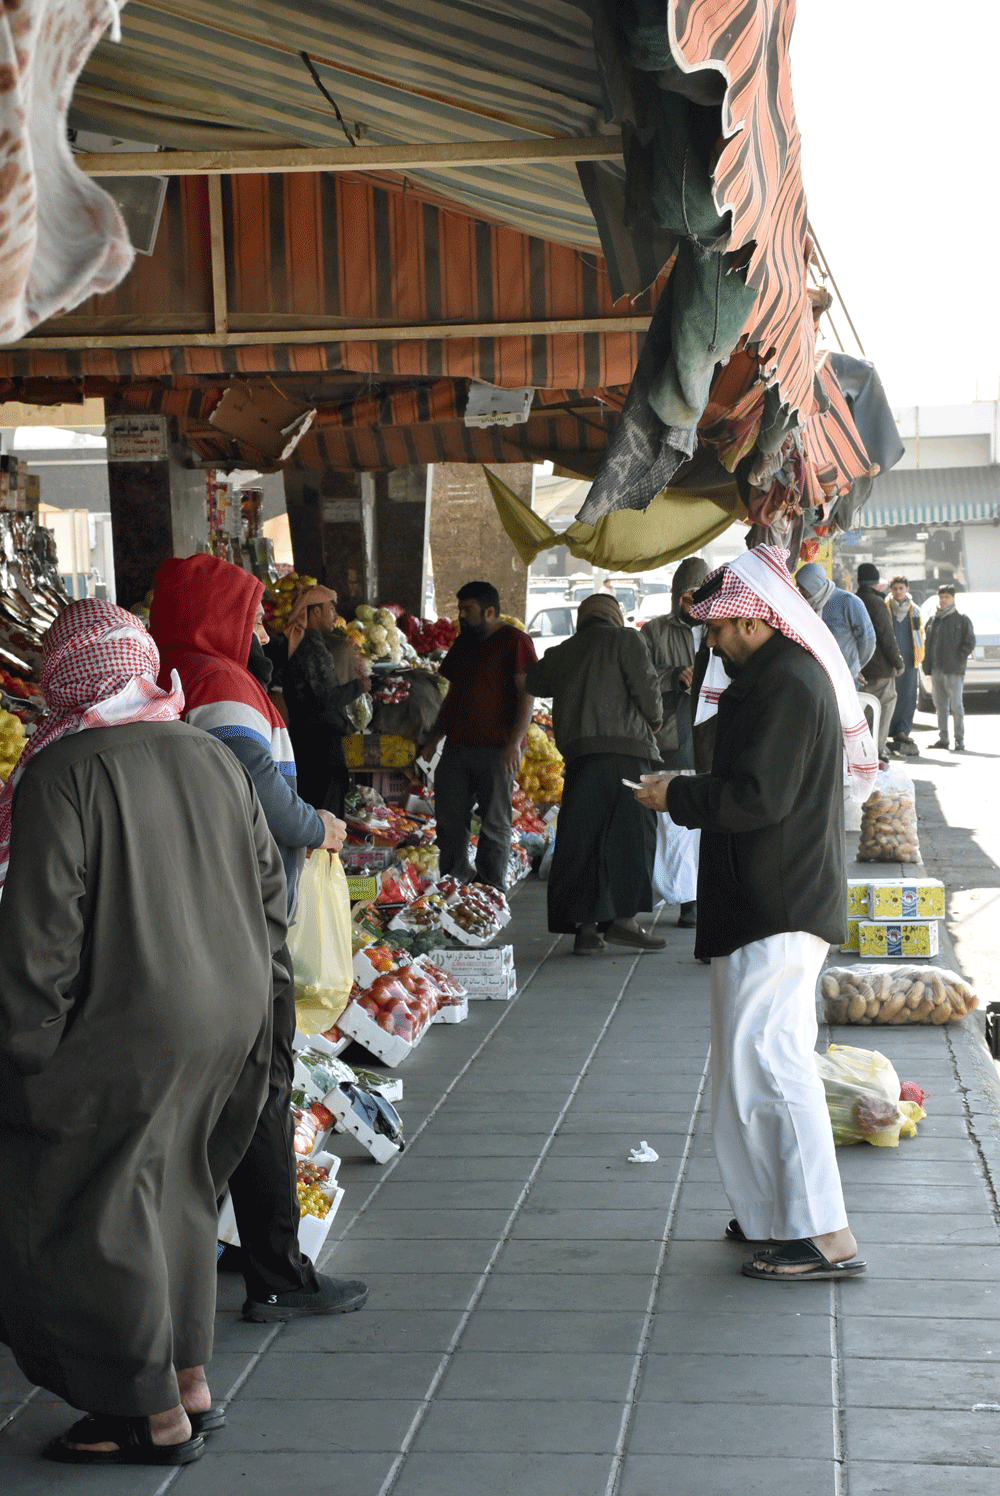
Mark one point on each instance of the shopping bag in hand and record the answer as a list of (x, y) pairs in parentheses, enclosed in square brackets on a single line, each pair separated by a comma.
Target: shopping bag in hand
[(320, 944)]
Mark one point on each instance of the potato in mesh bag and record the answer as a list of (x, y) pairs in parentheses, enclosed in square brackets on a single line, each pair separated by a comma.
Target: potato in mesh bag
[(894, 995), (889, 820)]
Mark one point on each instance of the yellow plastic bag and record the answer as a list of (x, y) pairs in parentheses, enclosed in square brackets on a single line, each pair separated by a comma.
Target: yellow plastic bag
[(862, 1095), (320, 944)]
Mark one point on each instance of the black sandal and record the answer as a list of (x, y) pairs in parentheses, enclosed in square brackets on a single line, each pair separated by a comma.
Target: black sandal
[(134, 1440), (209, 1422), (734, 1232), (805, 1254)]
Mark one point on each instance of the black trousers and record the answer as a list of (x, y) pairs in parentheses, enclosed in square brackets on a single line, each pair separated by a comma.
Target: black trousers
[(605, 844), (263, 1185)]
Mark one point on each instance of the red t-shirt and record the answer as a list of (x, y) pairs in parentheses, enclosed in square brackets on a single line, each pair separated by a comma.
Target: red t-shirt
[(481, 707)]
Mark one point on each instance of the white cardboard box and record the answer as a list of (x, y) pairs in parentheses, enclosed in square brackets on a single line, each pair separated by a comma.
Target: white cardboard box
[(381, 1148), (388, 1047), (312, 1231), (453, 1012)]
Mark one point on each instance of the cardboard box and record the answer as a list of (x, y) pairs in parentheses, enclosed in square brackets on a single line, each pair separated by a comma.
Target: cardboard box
[(362, 860), (453, 1012), (905, 898), (857, 900), (851, 943), (388, 1047), (895, 938), (487, 963), (312, 1231), (381, 1148)]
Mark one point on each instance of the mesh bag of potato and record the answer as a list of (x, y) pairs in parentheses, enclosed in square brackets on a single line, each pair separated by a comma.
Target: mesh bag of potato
[(894, 995), (889, 820)]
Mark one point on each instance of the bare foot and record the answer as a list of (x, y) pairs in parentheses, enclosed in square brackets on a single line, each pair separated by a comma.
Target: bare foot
[(836, 1246), (193, 1388)]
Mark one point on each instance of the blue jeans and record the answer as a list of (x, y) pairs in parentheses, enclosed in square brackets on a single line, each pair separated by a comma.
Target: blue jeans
[(947, 693), (906, 703)]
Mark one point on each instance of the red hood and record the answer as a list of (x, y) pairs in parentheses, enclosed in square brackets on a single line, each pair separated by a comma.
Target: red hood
[(206, 605)]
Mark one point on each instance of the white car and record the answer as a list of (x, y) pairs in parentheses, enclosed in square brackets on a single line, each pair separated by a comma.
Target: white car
[(552, 625), (983, 670)]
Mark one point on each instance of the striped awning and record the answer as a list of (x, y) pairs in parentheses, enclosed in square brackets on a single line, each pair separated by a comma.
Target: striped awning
[(874, 516), (210, 73)]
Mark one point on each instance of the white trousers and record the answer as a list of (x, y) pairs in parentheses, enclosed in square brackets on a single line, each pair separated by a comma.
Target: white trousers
[(770, 1123)]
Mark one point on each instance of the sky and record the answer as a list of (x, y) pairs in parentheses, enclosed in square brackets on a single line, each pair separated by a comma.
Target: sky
[(900, 166)]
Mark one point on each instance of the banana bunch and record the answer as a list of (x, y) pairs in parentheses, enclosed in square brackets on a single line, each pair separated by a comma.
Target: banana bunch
[(11, 743)]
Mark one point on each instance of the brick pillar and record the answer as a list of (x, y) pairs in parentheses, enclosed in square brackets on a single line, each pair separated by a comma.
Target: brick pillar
[(468, 542), (402, 533)]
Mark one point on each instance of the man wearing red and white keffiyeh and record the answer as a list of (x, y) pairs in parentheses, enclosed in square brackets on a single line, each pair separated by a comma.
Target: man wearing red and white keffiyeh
[(99, 668), (771, 899)]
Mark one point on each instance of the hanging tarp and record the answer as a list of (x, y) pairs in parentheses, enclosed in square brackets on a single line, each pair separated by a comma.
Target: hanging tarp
[(628, 540)]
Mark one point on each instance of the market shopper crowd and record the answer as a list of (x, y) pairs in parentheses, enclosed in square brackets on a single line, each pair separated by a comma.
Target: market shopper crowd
[(156, 829)]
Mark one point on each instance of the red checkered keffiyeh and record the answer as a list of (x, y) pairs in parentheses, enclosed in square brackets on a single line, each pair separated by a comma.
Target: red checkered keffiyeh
[(99, 669), (758, 585)]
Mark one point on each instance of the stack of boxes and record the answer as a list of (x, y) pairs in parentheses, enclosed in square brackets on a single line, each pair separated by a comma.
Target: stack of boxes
[(893, 917), (19, 489)]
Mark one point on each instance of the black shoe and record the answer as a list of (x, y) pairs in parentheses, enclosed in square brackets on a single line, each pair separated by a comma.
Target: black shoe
[(688, 917), (958, 748), (334, 1296), (939, 744)]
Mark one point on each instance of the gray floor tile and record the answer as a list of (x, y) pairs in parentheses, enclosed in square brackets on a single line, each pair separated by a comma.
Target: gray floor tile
[(13, 1384), (924, 1339), (906, 1261), (612, 1168), (878, 1478), (597, 1331), (602, 1256), (715, 1378), (936, 1384), (535, 1222), (779, 1329), (572, 1291), (406, 1290), (705, 1475), (410, 1254), (224, 1472), (929, 1438), (731, 1430), (312, 1376), (383, 1223), (424, 1167), (941, 1297), (521, 1427), (459, 1474), (373, 1331), (548, 1376), (648, 1188), (271, 1426), (728, 1292), (458, 1195)]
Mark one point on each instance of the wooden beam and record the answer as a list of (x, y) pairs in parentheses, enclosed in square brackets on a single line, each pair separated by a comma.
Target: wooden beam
[(218, 240), (394, 334), (438, 157)]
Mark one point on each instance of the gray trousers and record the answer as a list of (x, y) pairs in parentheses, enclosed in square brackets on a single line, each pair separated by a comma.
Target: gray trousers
[(947, 693), (884, 692), (466, 777)]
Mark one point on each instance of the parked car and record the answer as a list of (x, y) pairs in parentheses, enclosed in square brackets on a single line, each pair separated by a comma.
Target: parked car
[(983, 670), (552, 626)]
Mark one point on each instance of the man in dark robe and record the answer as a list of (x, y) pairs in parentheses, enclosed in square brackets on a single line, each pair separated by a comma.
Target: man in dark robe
[(143, 903), (772, 896)]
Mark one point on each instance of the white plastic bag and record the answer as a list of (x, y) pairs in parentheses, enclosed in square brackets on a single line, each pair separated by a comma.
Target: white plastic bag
[(320, 944), (675, 869)]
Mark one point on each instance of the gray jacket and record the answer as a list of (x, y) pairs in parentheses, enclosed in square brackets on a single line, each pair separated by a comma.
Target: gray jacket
[(605, 695), (670, 641)]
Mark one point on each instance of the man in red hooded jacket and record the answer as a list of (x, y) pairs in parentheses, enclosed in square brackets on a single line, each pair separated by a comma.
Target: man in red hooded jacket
[(203, 616)]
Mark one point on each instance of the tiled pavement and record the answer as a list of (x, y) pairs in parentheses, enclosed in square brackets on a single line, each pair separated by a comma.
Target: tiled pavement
[(547, 1319)]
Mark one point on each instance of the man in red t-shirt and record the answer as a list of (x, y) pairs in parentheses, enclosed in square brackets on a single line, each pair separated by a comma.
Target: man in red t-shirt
[(483, 720)]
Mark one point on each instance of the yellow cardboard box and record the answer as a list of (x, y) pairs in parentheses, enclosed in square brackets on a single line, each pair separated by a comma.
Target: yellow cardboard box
[(857, 899), (905, 898), (851, 943), (894, 938)]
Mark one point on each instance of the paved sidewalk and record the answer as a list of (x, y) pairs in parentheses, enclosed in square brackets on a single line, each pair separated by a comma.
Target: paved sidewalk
[(547, 1319)]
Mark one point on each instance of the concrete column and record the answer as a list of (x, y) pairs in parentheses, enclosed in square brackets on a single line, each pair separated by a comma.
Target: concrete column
[(157, 510), (331, 517), (402, 531)]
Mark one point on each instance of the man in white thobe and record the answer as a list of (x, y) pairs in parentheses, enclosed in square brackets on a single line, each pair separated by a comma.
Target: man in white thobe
[(771, 898)]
